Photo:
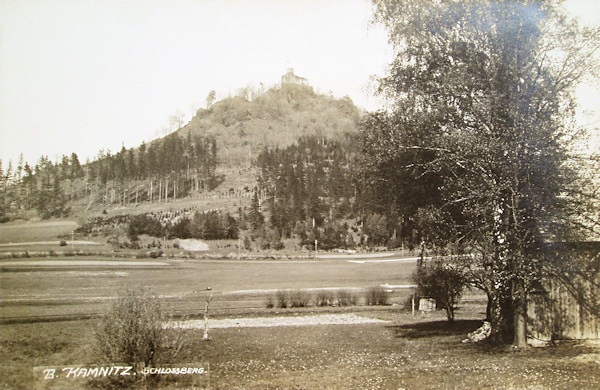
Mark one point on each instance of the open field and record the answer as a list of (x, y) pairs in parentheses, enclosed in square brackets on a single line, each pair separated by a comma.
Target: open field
[(421, 352), (83, 285), (49, 307), (21, 232), (255, 347)]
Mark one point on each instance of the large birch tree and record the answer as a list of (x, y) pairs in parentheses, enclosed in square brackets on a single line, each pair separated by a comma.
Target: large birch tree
[(476, 147)]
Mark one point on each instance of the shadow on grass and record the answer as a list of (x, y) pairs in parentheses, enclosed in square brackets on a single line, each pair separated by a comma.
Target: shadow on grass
[(435, 328)]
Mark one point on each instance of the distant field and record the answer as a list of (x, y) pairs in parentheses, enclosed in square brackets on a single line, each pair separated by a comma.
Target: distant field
[(71, 285), (35, 231)]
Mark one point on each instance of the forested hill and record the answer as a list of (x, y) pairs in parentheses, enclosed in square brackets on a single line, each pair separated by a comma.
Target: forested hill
[(245, 124), (198, 157)]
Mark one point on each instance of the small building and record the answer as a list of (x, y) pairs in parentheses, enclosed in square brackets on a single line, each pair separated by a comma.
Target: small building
[(291, 78), (567, 307)]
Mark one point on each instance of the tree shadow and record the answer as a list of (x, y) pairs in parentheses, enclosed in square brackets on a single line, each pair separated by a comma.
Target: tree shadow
[(435, 328)]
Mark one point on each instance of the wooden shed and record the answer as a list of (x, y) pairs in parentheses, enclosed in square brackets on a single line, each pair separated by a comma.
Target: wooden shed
[(567, 306)]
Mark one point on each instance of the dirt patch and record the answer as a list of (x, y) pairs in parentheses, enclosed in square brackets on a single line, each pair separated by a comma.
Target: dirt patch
[(263, 322), (193, 245)]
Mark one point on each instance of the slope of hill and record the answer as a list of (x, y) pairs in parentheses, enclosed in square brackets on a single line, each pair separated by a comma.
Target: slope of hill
[(181, 167), (243, 128)]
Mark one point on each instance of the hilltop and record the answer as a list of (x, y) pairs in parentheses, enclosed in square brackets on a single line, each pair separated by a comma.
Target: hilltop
[(243, 127)]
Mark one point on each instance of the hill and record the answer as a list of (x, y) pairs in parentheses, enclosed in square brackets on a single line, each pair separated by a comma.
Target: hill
[(209, 160), (244, 127)]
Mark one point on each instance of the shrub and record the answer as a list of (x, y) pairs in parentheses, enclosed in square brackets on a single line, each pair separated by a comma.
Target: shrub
[(324, 298), (277, 245), (155, 254), (282, 299), (63, 243), (443, 283), (346, 298), (411, 300), (299, 298), (131, 331), (143, 224), (269, 303), (377, 296)]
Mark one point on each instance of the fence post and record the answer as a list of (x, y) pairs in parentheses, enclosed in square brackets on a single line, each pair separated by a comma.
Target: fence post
[(208, 299)]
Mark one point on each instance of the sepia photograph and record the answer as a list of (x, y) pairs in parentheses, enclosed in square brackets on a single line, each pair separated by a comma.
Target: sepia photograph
[(299, 194)]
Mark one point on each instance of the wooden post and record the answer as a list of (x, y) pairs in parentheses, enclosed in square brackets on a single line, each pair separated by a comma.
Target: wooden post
[(208, 299)]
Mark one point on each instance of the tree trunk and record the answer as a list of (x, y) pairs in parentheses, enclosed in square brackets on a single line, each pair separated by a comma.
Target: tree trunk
[(520, 327), (520, 336)]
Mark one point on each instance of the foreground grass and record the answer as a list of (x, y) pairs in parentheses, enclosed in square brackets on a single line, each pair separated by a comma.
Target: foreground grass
[(412, 353)]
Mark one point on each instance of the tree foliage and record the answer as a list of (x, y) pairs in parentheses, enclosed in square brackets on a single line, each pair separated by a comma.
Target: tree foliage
[(312, 179), (443, 282), (132, 331), (475, 154)]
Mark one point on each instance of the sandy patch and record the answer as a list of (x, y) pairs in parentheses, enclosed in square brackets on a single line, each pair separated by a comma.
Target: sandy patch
[(398, 260), (262, 322), (356, 255), (193, 245)]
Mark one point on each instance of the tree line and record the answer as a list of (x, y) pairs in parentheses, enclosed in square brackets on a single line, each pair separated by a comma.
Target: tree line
[(165, 169), (41, 187), (315, 190)]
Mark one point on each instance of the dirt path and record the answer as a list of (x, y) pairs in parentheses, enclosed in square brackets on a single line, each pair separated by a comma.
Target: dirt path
[(262, 322)]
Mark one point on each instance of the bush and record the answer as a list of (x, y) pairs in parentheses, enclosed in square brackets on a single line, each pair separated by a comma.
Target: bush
[(377, 296), (155, 254), (131, 331), (324, 298), (346, 298), (282, 299), (143, 224), (63, 243), (443, 283), (299, 298), (269, 304)]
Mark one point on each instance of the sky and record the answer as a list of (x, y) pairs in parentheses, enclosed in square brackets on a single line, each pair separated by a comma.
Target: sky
[(88, 75)]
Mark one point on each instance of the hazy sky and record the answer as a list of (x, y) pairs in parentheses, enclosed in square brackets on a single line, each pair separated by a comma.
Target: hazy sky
[(84, 75)]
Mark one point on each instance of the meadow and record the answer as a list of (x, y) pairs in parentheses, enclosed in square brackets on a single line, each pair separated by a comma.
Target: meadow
[(50, 306), (420, 352)]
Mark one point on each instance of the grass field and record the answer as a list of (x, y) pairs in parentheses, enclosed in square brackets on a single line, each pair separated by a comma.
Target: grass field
[(422, 352), (49, 306), (71, 285), (21, 232)]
